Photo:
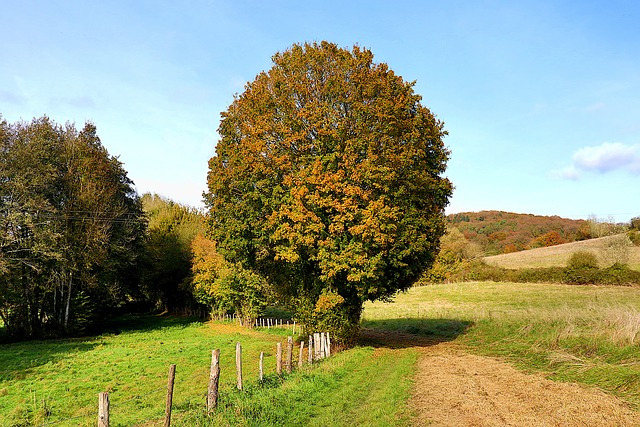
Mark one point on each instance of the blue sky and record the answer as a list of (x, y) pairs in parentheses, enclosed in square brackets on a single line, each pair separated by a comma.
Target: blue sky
[(541, 98)]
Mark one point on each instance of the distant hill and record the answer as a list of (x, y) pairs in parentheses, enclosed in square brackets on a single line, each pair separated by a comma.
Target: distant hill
[(557, 256), (498, 232)]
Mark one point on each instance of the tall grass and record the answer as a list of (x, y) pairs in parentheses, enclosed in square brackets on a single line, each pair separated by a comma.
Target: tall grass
[(574, 333)]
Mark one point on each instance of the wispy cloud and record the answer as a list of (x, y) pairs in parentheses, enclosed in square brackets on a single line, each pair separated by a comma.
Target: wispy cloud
[(603, 158)]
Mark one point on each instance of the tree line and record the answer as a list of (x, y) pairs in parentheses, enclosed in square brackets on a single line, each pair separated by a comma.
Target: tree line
[(71, 229)]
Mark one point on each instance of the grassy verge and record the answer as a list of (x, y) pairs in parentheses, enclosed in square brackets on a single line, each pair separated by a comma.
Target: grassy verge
[(58, 381), (583, 334)]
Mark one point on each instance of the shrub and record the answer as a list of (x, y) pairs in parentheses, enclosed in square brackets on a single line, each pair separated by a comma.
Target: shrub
[(582, 259)]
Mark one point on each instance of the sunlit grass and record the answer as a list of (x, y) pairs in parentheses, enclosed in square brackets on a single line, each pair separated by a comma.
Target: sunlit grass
[(575, 333), (59, 381), (558, 256)]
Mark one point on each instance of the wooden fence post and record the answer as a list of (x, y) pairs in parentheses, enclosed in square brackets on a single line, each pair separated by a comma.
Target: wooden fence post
[(289, 354), (261, 366), (214, 375), (328, 345), (310, 349), (103, 409), (167, 409), (279, 358), (316, 346), (239, 364), (301, 356)]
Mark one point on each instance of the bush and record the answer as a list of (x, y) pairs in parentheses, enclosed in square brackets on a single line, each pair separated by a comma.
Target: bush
[(619, 274), (582, 259)]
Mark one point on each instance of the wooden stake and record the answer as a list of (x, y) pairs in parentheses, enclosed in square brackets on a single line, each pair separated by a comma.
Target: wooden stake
[(261, 365), (170, 382), (214, 375), (316, 346), (279, 358), (310, 349), (239, 364), (300, 358), (103, 409), (289, 354), (328, 345)]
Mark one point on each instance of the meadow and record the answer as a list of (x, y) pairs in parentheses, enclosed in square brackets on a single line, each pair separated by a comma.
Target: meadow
[(558, 256), (583, 334), (57, 382)]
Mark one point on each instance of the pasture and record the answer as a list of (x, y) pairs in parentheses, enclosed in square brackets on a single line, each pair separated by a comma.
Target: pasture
[(558, 256), (582, 334), (57, 382)]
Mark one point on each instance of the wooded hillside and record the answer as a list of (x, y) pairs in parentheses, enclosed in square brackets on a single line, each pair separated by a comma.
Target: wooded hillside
[(499, 232)]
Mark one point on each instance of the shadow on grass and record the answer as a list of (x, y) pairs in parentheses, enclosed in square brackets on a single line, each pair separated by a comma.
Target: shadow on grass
[(18, 358), (410, 332), (144, 323)]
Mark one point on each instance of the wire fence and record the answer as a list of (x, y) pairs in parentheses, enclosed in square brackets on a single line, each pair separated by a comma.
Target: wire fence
[(318, 347)]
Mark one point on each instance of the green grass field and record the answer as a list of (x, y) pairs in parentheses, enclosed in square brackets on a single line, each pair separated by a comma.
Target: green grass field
[(582, 334), (59, 381), (557, 256)]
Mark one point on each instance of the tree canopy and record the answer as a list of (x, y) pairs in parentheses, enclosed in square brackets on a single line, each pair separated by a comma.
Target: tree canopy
[(327, 181), (71, 228)]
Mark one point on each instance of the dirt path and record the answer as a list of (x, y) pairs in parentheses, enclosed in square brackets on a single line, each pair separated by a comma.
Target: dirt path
[(454, 388)]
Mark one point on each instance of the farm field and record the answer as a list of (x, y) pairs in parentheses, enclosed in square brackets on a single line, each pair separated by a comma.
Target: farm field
[(557, 256), (570, 334)]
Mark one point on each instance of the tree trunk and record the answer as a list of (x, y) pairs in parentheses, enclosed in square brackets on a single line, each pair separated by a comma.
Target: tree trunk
[(68, 303)]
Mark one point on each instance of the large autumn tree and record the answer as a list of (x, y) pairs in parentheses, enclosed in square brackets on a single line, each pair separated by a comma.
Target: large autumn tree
[(327, 181)]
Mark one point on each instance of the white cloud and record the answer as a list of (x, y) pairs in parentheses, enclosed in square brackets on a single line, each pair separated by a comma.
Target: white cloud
[(569, 173), (603, 158)]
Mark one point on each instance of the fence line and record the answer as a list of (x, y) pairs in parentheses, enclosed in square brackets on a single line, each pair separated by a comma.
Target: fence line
[(319, 348)]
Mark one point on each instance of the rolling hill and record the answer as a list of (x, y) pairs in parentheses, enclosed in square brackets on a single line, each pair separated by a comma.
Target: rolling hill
[(557, 256), (498, 232)]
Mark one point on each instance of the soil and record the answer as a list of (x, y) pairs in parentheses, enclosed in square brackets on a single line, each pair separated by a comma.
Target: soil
[(455, 388)]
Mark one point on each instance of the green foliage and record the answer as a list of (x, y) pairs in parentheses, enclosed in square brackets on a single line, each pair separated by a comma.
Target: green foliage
[(634, 237), (327, 178), (71, 229), (172, 229), (583, 259), (226, 287), (454, 258), (238, 290), (582, 268)]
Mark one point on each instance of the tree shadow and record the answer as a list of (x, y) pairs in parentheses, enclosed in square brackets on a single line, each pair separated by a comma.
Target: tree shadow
[(18, 358), (144, 323), (411, 332)]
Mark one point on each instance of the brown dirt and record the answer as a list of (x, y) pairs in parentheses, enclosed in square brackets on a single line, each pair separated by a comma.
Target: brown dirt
[(454, 388)]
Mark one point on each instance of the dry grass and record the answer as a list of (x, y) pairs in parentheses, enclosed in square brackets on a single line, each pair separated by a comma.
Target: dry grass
[(557, 256), (585, 334)]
